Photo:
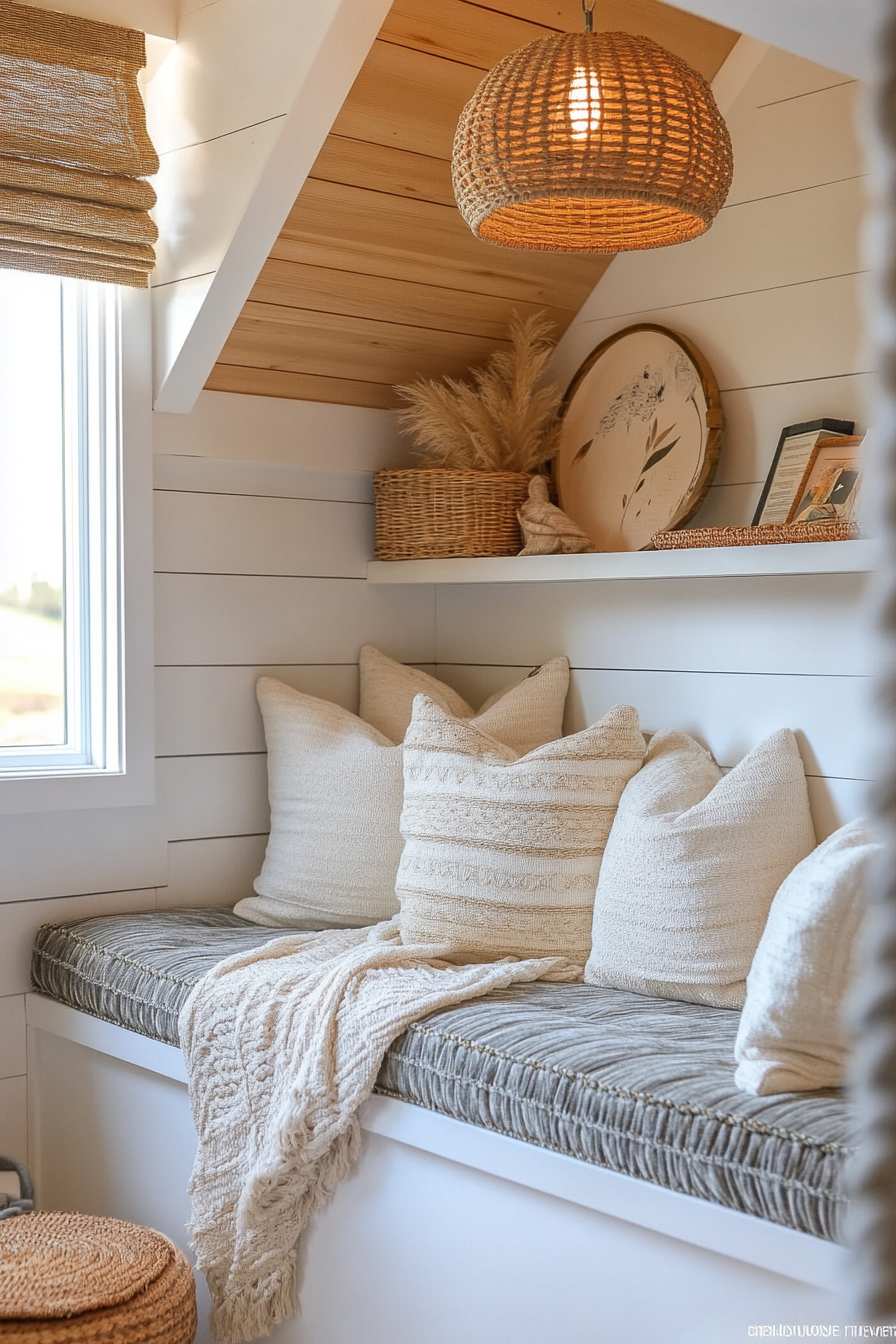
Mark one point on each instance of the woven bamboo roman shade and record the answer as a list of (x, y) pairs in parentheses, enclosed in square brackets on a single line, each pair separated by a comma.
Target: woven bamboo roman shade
[(73, 148), (591, 142)]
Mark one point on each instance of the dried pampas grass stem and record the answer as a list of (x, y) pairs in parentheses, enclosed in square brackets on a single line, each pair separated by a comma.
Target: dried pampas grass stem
[(505, 420)]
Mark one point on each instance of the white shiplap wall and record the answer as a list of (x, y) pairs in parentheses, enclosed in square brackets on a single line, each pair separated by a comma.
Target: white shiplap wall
[(772, 295), (260, 554), (260, 567)]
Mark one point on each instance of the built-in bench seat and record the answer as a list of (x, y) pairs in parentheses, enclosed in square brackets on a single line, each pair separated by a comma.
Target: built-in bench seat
[(639, 1086)]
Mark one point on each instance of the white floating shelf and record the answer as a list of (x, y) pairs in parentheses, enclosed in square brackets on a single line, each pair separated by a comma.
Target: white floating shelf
[(817, 557)]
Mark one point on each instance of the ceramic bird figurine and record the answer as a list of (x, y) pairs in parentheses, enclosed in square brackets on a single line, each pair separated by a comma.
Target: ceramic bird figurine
[(546, 529)]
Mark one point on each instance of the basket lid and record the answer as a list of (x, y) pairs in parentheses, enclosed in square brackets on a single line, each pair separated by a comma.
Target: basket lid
[(63, 1264)]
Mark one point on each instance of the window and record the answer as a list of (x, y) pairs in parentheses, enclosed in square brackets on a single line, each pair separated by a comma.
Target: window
[(66, 406), (60, 663)]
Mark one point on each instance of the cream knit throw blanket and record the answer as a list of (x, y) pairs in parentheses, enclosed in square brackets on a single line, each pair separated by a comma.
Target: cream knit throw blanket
[(282, 1046)]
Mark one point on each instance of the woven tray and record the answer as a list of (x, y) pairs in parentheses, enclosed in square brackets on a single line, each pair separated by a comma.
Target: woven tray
[(430, 513), (769, 534)]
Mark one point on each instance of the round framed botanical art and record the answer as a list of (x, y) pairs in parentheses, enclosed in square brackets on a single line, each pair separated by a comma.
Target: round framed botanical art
[(640, 436)]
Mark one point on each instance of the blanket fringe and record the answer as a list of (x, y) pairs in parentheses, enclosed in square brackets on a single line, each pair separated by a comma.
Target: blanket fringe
[(254, 1312), (282, 1048)]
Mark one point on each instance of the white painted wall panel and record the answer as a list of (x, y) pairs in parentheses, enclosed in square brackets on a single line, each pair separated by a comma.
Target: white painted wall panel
[(732, 713), (204, 189), (681, 625), (783, 77), (728, 712), (755, 416), (32, 869), (790, 143), (728, 506), (791, 333), (228, 425), (209, 618), (203, 796), (276, 480), (237, 534), (212, 872), (215, 83), (209, 710), (777, 242), (834, 802)]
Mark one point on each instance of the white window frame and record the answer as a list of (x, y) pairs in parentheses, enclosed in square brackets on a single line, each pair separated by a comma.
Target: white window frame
[(115, 709)]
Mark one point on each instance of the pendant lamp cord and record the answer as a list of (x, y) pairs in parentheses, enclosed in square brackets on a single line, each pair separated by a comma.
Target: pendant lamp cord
[(588, 11)]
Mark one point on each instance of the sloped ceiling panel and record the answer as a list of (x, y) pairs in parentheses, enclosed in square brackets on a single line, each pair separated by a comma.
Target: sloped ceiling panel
[(375, 279)]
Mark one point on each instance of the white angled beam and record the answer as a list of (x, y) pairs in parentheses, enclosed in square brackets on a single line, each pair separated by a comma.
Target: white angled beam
[(239, 113)]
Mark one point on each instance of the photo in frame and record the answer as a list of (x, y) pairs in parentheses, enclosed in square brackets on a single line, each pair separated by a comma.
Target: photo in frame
[(789, 464), (829, 489), (641, 429)]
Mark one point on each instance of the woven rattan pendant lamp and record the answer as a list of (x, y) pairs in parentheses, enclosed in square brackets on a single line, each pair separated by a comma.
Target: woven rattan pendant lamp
[(591, 142)]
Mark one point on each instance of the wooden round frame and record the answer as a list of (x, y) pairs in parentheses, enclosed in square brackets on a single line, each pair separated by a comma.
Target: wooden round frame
[(622, 473)]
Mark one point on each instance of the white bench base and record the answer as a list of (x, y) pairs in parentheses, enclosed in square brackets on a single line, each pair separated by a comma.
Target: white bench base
[(443, 1233)]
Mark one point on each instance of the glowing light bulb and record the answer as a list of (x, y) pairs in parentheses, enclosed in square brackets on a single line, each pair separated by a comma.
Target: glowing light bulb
[(584, 103)]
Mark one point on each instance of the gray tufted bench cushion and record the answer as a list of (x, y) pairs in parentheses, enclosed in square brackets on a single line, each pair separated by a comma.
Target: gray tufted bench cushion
[(641, 1086)]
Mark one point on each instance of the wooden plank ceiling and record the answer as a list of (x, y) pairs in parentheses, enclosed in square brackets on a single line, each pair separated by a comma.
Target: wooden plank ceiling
[(375, 279)]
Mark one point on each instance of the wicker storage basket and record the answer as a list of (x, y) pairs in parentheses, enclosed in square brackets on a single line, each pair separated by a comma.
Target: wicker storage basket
[(768, 534), (69, 1278), (427, 513)]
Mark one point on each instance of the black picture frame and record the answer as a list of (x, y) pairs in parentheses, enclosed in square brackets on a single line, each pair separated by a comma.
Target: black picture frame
[(824, 426)]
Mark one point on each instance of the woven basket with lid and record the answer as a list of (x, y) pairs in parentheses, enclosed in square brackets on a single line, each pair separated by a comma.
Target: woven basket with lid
[(426, 513), (68, 1278)]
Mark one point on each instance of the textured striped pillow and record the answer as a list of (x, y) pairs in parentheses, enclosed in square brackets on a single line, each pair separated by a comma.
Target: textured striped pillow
[(502, 852)]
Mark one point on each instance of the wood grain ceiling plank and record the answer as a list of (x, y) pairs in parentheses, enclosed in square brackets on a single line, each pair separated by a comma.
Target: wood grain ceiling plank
[(395, 171), (318, 289), (300, 387), (703, 44), (388, 277), (329, 345), (459, 31), (407, 99), (349, 229)]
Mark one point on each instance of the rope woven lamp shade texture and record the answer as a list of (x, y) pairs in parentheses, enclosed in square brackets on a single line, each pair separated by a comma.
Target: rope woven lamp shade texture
[(591, 142), (74, 148)]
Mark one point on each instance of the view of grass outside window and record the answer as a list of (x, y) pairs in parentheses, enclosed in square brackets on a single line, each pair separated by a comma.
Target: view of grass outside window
[(32, 512)]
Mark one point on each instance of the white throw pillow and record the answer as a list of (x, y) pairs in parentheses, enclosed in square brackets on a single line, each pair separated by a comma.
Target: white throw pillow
[(502, 851), (522, 715), (335, 788), (692, 864), (791, 1036)]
